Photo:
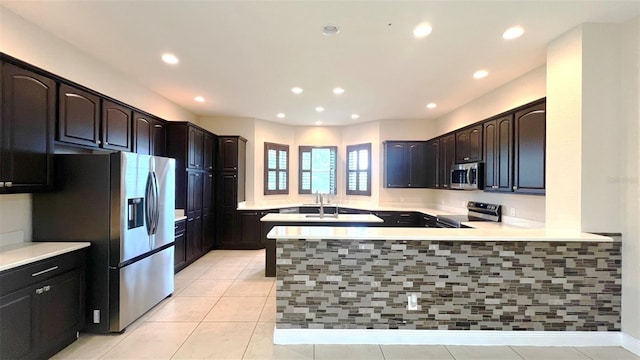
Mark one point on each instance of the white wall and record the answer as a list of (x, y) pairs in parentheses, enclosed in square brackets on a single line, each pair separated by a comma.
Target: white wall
[(31, 44), (527, 88), (630, 175)]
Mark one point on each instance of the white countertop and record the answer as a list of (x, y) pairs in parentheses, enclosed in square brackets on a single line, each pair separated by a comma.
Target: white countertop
[(15, 255), (390, 233), (305, 218), (375, 207)]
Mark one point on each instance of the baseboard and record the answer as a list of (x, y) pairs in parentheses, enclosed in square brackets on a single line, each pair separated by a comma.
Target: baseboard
[(453, 337), (630, 343)]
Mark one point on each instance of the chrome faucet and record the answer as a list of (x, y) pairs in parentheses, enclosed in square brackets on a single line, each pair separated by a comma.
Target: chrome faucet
[(321, 206)]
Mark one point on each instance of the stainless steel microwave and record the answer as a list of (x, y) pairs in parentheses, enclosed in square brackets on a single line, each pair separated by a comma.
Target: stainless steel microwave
[(467, 176)]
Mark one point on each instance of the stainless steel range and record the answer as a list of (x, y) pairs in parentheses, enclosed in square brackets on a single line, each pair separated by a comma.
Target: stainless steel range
[(477, 211)]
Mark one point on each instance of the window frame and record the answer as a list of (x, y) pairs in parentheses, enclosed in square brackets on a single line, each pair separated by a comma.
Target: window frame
[(278, 148), (357, 148), (308, 148)]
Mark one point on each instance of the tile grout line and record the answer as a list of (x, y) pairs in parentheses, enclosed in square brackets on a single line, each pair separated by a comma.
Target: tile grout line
[(517, 353)]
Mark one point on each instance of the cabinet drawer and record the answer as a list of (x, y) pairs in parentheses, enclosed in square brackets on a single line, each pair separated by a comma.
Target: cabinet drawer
[(181, 226), (27, 275)]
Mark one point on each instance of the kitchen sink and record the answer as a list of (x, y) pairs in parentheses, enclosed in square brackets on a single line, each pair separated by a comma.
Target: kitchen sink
[(335, 216)]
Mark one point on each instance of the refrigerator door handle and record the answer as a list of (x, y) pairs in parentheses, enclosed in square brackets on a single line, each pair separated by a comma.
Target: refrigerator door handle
[(156, 203), (148, 206)]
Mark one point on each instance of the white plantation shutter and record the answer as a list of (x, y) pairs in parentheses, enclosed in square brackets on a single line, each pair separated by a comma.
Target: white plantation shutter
[(276, 169), (358, 169)]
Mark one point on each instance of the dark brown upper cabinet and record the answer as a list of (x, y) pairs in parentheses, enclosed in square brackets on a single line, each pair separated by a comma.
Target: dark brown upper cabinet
[(159, 137), (195, 156), (149, 135), (405, 164), (529, 149), (469, 144), (498, 154), (446, 158), (229, 153), (27, 123), (432, 164), (208, 156), (79, 118), (116, 126)]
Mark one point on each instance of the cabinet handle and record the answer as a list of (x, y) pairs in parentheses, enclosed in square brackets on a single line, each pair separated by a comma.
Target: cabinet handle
[(157, 126), (1, 184), (466, 158), (44, 271), (106, 143), (39, 291), (46, 288), (8, 184)]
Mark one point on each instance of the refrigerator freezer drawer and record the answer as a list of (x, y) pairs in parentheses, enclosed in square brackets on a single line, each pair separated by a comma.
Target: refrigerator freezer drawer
[(142, 285)]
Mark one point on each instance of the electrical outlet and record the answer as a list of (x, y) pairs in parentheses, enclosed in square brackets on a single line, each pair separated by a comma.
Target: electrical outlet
[(512, 211), (412, 301)]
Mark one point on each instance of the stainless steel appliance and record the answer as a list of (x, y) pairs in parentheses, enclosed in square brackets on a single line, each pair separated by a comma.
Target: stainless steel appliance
[(476, 211), (467, 176), (122, 203)]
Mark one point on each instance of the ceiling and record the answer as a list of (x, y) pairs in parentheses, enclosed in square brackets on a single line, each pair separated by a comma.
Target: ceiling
[(244, 57)]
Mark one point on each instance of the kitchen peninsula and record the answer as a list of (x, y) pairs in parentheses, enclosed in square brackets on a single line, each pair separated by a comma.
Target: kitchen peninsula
[(362, 285), (280, 219)]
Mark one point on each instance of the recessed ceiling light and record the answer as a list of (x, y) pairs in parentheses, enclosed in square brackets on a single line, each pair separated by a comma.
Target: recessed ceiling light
[(422, 30), (318, 122), (296, 90), (480, 74), (280, 115), (338, 90), (355, 116), (198, 99), (330, 30), (170, 58), (431, 105), (319, 109), (512, 33)]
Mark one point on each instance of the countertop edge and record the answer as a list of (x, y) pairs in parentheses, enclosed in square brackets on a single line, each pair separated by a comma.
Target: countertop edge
[(30, 252), (433, 234)]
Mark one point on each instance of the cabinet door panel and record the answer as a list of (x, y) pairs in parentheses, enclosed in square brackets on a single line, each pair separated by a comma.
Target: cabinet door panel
[(447, 158), (159, 138), (196, 145), (60, 308), (26, 129), (180, 250), (79, 121), (490, 155), (142, 134), (417, 165), (504, 163), (432, 164), (116, 126), (529, 160), (208, 151), (230, 193), (18, 325), (229, 151), (396, 165)]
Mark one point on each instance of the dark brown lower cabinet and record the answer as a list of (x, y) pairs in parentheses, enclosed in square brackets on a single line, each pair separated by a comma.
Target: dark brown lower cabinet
[(42, 306), (180, 250)]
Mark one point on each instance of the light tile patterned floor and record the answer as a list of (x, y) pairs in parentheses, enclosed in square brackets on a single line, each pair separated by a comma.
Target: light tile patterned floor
[(224, 308)]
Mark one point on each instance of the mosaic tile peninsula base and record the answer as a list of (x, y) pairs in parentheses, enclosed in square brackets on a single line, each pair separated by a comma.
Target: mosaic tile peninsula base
[(535, 286)]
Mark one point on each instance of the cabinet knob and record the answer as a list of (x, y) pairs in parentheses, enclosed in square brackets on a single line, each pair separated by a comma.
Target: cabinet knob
[(515, 188), (98, 142)]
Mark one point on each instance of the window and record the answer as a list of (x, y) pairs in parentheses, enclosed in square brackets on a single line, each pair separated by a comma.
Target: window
[(317, 169), (276, 169), (359, 169)]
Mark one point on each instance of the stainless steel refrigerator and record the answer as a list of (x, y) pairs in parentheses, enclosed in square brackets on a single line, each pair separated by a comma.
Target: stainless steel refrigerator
[(123, 204)]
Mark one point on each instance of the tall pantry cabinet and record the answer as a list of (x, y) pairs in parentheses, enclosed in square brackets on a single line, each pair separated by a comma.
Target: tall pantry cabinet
[(194, 151), (232, 171)]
